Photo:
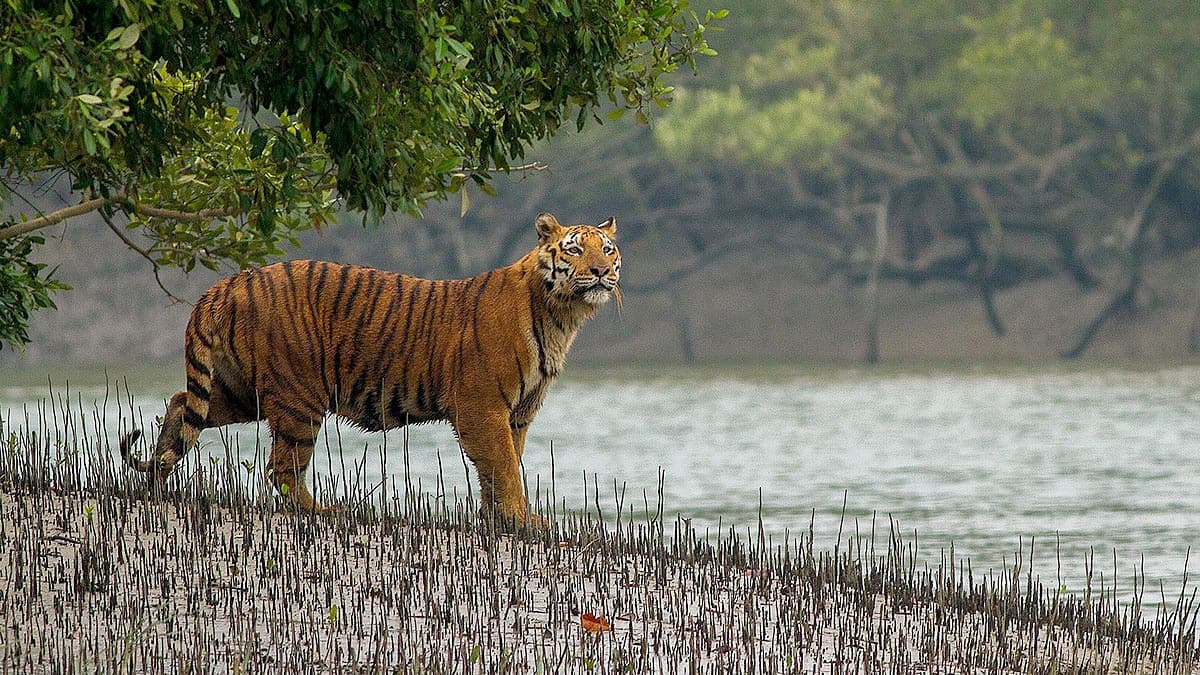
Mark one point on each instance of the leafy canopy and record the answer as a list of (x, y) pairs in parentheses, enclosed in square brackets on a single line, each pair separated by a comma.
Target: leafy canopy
[(218, 129)]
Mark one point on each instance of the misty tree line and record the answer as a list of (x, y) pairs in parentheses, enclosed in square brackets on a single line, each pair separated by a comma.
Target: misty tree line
[(988, 144), (982, 144)]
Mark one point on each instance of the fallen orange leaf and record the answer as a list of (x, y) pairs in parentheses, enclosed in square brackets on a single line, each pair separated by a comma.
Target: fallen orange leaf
[(594, 623)]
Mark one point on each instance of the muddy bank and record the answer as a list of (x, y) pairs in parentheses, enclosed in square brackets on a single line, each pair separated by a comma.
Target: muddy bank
[(96, 577)]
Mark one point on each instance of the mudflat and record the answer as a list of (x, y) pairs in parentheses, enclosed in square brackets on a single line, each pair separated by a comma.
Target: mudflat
[(95, 577)]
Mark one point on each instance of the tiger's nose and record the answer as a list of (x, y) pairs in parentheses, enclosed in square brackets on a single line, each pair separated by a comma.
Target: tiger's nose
[(600, 271)]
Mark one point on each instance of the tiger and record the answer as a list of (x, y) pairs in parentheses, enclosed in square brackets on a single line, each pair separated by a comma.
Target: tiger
[(294, 341)]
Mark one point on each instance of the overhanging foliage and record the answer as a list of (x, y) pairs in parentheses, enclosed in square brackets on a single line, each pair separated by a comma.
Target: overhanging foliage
[(381, 105)]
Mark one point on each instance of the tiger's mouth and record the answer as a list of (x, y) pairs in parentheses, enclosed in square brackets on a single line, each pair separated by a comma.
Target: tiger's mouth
[(596, 292), (598, 285)]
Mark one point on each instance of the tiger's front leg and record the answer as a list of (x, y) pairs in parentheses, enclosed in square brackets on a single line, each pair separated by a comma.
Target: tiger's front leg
[(488, 442)]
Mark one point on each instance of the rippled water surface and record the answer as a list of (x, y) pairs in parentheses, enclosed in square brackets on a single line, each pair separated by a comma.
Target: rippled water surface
[(1094, 460)]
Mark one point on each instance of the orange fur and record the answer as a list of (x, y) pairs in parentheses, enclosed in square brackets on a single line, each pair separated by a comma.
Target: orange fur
[(293, 341)]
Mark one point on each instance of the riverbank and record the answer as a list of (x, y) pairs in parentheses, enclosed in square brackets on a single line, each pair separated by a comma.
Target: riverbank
[(95, 577)]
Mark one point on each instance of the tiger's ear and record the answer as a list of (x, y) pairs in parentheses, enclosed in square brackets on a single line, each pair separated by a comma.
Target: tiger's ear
[(547, 227), (609, 227)]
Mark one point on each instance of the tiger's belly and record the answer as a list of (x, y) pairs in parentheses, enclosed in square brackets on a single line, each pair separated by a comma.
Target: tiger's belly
[(374, 422)]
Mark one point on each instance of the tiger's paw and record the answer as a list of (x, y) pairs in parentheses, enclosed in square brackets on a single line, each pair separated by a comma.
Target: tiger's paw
[(515, 520), (332, 510), (536, 522)]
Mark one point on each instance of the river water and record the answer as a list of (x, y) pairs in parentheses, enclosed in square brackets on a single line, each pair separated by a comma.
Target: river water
[(1101, 463)]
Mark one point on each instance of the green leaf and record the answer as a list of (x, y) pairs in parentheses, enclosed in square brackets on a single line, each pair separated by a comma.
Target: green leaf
[(447, 165), (458, 47), (266, 220), (129, 36), (233, 8), (90, 99), (258, 142)]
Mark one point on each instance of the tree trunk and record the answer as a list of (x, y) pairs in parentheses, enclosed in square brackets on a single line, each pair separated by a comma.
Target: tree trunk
[(1193, 341), (881, 241), (687, 344), (984, 265), (1135, 236)]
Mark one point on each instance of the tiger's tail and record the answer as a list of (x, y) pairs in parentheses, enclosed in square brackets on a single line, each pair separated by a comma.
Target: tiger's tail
[(127, 456)]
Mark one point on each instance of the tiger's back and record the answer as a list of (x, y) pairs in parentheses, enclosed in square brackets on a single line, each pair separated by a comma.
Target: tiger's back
[(367, 344)]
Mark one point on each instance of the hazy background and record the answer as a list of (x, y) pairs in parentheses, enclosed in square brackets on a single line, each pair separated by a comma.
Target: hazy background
[(748, 212)]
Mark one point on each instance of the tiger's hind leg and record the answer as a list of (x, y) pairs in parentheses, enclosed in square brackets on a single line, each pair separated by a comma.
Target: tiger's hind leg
[(291, 452)]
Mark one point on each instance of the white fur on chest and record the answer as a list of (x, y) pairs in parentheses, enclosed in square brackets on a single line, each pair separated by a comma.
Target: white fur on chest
[(546, 359)]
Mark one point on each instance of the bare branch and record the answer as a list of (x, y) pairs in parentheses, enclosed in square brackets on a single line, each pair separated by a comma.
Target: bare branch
[(1135, 230), (897, 169), (1119, 302), (145, 254), (1135, 237), (532, 166), (17, 193), (126, 202), (55, 217), (710, 257), (904, 170), (463, 172)]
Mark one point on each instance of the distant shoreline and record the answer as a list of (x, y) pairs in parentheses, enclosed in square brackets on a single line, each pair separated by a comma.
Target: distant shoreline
[(155, 373)]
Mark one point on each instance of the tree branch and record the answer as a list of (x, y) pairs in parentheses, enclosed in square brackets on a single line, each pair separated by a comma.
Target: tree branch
[(463, 172), (712, 255), (1121, 301), (145, 254), (174, 214), (902, 170), (98, 203), (55, 217), (1135, 237)]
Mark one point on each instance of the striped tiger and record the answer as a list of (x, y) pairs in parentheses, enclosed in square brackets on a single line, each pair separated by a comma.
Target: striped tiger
[(293, 341)]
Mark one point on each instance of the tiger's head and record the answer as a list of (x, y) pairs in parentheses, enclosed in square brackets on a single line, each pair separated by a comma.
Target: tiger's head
[(579, 262)]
